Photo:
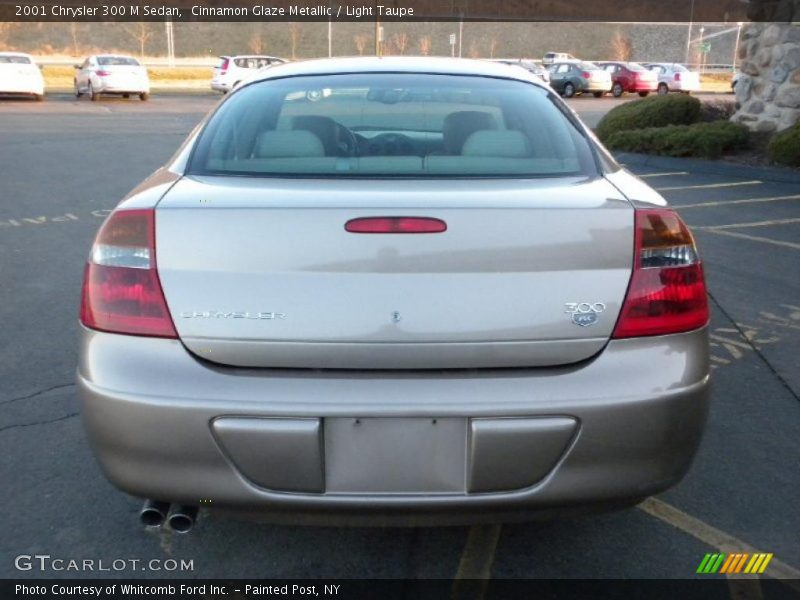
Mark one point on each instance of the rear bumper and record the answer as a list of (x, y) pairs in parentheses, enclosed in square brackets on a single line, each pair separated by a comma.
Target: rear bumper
[(166, 425), (220, 86), (122, 87), (596, 86)]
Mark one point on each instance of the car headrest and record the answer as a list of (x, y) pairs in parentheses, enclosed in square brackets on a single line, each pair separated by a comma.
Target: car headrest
[(288, 144), (458, 126), (505, 144)]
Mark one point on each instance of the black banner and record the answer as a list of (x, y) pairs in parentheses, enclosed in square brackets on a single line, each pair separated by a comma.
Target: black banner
[(729, 11), (397, 589)]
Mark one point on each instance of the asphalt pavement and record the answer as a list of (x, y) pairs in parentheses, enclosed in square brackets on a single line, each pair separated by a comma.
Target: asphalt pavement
[(65, 163)]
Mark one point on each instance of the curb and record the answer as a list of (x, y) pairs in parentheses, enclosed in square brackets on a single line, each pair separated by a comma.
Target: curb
[(715, 167)]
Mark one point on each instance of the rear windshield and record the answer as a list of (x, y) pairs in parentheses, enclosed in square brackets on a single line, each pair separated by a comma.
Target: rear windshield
[(587, 66), (414, 125), (636, 67), (680, 68), (252, 62), (16, 60), (110, 61)]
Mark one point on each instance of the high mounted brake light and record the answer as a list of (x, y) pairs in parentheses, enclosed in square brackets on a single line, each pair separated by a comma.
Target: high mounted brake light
[(121, 290), (667, 291)]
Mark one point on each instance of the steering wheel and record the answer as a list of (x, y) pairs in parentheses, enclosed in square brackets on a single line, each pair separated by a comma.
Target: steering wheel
[(392, 144)]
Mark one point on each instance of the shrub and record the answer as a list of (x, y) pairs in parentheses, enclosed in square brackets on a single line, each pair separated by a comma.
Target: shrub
[(717, 110), (784, 147), (705, 140), (656, 111)]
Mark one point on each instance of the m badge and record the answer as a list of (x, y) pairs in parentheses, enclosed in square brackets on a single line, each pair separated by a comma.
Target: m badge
[(584, 314)]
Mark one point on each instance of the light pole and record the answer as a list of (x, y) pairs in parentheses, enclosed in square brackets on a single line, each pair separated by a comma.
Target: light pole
[(689, 32), (702, 50), (736, 46)]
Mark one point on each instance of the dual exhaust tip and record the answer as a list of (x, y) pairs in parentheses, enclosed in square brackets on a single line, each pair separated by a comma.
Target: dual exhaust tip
[(180, 517)]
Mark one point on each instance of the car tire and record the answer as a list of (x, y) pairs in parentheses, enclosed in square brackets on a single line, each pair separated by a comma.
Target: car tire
[(569, 90), (597, 94), (78, 92), (92, 94), (144, 96), (644, 94), (126, 95), (616, 90), (38, 97), (663, 90)]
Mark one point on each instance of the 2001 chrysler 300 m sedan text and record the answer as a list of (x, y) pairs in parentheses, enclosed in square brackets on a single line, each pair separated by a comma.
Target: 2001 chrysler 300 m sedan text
[(374, 288)]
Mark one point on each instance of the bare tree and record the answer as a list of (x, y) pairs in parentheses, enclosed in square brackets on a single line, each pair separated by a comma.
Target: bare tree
[(425, 45), (73, 31), (361, 42), (493, 43), (400, 42), (141, 32), (621, 47), (256, 43), (295, 31), (5, 31)]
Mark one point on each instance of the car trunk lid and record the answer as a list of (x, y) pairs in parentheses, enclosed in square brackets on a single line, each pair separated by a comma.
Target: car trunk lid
[(261, 272)]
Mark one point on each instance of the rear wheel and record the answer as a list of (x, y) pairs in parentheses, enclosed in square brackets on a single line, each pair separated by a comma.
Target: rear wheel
[(569, 90), (78, 92), (663, 90), (144, 96), (598, 94), (644, 94), (616, 90), (126, 95), (92, 94)]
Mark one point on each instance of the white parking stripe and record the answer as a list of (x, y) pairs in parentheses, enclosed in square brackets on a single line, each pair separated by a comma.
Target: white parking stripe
[(753, 224), (709, 186), (754, 238), (742, 201), (647, 175)]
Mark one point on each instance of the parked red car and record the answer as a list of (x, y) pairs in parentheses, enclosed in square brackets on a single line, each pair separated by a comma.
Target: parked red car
[(630, 77)]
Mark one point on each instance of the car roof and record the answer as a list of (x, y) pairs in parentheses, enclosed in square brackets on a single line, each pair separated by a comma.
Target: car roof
[(16, 54), (396, 64), (116, 56), (252, 56)]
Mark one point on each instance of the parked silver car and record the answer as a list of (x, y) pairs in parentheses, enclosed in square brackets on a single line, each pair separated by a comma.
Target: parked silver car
[(536, 68), (429, 291), (673, 77)]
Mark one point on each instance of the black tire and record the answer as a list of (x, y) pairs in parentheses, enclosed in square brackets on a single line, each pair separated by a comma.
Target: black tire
[(663, 90), (144, 96), (644, 94), (126, 95), (597, 94), (616, 90), (569, 90), (78, 93), (92, 94)]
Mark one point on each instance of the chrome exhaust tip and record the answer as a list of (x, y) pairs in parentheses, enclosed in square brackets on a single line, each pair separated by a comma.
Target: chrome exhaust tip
[(182, 518), (153, 513)]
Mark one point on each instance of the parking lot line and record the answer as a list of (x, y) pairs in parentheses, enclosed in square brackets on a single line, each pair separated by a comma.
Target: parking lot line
[(753, 238), (717, 538), (752, 224), (476, 562), (741, 201), (669, 174), (706, 186)]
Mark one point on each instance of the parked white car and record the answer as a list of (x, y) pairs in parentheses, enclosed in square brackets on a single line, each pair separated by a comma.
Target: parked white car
[(233, 69), (674, 77), (111, 74), (19, 74), (553, 57)]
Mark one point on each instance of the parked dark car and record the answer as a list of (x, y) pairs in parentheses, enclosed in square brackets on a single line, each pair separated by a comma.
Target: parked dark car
[(630, 77), (570, 78)]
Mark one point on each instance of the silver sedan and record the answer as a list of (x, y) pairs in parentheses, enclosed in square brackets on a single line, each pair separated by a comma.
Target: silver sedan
[(393, 288)]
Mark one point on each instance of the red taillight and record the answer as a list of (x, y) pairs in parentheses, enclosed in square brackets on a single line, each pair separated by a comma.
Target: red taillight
[(103, 73), (586, 75), (677, 76), (667, 292), (395, 225), (224, 66), (121, 290)]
